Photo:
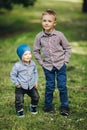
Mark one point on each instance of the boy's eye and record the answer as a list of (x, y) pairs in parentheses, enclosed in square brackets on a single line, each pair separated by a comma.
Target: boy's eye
[(25, 54), (44, 20), (47, 21)]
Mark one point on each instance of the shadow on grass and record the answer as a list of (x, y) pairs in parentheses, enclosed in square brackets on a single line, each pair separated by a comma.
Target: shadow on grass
[(17, 27), (75, 29)]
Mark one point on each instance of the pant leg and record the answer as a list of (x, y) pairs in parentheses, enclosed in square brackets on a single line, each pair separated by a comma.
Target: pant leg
[(50, 86), (61, 80), (33, 93), (19, 99)]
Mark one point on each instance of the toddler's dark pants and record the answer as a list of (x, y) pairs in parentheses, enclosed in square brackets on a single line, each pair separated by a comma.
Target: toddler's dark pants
[(19, 97)]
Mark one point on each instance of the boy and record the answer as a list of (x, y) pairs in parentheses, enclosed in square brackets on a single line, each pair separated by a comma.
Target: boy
[(52, 51), (24, 75)]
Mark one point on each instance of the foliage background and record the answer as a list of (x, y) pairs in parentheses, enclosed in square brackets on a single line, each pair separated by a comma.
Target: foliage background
[(21, 26)]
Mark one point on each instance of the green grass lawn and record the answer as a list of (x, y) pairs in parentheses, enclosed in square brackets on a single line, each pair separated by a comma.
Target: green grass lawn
[(21, 26)]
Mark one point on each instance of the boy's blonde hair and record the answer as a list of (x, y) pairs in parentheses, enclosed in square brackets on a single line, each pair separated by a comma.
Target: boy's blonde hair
[(50, 12)]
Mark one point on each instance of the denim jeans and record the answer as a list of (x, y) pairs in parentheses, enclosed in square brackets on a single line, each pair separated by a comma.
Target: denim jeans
[(19, 97), (60, 76)]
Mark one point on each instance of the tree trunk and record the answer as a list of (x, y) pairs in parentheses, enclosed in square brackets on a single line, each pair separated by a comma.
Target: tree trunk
[(84, 9)]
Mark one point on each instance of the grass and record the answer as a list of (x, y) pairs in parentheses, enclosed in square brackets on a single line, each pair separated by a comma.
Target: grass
[(21, 26)]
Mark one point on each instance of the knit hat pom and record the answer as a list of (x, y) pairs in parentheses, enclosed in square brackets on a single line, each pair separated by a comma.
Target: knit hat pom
[(22, 49)]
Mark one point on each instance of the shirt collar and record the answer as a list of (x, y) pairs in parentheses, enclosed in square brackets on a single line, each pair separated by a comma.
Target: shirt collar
[(24, 63), (43, 34)]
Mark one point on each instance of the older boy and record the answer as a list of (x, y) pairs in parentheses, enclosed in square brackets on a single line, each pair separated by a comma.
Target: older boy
[(52, 51)]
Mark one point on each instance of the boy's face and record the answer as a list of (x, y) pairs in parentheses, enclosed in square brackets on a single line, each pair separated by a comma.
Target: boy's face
[(48, 23), (26, 57)]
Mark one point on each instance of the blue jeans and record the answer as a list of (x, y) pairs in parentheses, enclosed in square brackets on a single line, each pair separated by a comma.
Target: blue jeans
[(61, 78)]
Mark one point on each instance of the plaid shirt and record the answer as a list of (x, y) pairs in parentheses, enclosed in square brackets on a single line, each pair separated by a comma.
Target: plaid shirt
[(52, 50)]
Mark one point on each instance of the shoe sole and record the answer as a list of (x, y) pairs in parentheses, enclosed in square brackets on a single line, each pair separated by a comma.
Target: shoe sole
[(64, 114), (21, 116), (34, 113)]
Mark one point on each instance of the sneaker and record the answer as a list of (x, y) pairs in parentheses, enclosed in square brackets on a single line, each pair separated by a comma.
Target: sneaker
[(48, 109), (33, 109), (64, 111), (20, 113)]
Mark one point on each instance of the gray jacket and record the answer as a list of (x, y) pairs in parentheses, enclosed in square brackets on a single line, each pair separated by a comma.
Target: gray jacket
[(25, 75)]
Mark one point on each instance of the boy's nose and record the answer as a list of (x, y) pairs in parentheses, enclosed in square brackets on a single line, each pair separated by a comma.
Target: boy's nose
[(46, 23)]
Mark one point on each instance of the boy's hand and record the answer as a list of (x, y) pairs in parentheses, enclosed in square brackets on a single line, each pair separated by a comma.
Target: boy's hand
[(66, 63), (36, 85), (18, 86)]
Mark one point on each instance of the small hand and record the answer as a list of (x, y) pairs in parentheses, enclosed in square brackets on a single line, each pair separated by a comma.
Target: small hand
[(66, 63), (36, 85), (18, 86)]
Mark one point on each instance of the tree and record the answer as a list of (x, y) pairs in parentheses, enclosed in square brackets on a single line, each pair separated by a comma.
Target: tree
[(84, 8), (8, 4)]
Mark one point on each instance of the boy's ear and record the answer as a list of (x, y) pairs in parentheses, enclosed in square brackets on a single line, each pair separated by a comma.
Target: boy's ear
[(55, 23)]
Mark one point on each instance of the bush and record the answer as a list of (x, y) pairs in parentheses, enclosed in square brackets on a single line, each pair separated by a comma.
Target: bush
[(8, 4)]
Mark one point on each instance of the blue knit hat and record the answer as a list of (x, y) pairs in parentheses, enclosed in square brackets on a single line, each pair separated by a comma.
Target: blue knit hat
[(21, 49)]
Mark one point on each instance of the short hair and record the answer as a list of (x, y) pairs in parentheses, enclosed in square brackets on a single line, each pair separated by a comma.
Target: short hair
[(50, 12)]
